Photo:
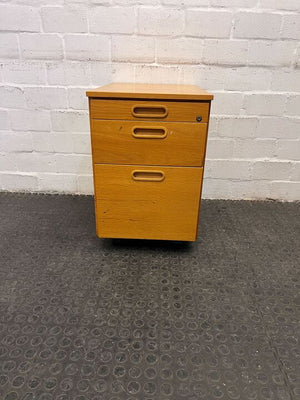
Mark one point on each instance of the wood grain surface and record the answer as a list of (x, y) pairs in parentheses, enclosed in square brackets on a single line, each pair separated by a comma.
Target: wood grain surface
[(151, 91), (152, 208), (150, 143), (181, 111)]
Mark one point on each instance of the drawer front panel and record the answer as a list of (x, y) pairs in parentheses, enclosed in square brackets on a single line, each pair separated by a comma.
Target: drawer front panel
[(145, 202), (154, 143), (149, 110)]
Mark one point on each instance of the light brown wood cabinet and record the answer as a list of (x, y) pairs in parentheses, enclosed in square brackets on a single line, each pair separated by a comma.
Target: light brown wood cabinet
[(148, 150)]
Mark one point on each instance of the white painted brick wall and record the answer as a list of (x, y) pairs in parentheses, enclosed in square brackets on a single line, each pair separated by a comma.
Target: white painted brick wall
[(87, 47), (112, 20), (9, 47), (208, 24), (24, 72), (133, 49), (160, 21), (41, 46), (187, 50), (257, 25), (225, 52), (19, 18), (247, 52), (64, 19)]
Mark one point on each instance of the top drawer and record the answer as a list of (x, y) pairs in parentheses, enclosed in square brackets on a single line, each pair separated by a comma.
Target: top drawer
[(184, 111)]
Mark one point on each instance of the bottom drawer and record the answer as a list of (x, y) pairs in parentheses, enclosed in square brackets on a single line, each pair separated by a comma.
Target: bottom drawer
[(141, 202)]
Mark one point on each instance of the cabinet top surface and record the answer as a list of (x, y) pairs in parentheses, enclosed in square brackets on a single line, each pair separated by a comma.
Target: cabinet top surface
[(150, 91)]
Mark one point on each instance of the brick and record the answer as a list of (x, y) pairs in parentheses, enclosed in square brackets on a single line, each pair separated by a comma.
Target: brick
[(291, 27), (85, 184), (62, 183), (19, 18), (272, 170), (62, 142), (187, 50), (9, 47), (248, 190), (102, 2), (237, 127), (286, 80), (213, 127), (35, 162), (270, 53), (30, 120), (87, 47), (160, 21), (40, 3), (235, 189), (283, 190), (254, 148), (264, 104), (280, 5), (27, 72), (68, 73), (81, 143), (137, 2), (13, 142), (158, 74), (208, 24), (227, 103), (293, 106), (121, 72), (245, 78), (278, 127), (228, 169), (112, 20), (295, 173), (296, 62), (229, 52), (7, 162), (41, 46), (41, 141), (133, 49), (208, 77), (74, 121), (77, 2), (64, 19), (288, 149), (257, 25), (216, 189), (3, 120), (186, 3), (73, 163), (219, 148), (46, 97), (77, 98), (19, 182), (233, 3), (101, 73), (11, 97)]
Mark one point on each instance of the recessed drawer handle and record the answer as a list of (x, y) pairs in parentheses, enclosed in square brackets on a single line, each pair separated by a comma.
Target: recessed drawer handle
[(153, 176), (149, 132), (151, 111)]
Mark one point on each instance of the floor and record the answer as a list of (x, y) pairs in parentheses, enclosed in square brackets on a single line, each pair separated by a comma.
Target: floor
[(83, 318)]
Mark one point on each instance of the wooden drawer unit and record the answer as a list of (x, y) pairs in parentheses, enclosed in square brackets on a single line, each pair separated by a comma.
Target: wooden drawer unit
[(148, 149), (147, 202), (150, 143), (178, 111)]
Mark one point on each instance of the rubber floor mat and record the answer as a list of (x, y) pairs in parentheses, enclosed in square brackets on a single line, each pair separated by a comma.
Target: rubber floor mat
[(90, 319)]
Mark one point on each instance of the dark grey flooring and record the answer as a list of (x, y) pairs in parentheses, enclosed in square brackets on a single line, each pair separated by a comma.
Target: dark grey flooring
[(84, 318)]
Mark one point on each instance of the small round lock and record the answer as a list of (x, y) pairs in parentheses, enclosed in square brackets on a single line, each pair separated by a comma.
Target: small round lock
[(198, 118)]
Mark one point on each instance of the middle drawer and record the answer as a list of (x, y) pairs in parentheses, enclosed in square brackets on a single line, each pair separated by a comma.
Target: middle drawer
[(151, 143)]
